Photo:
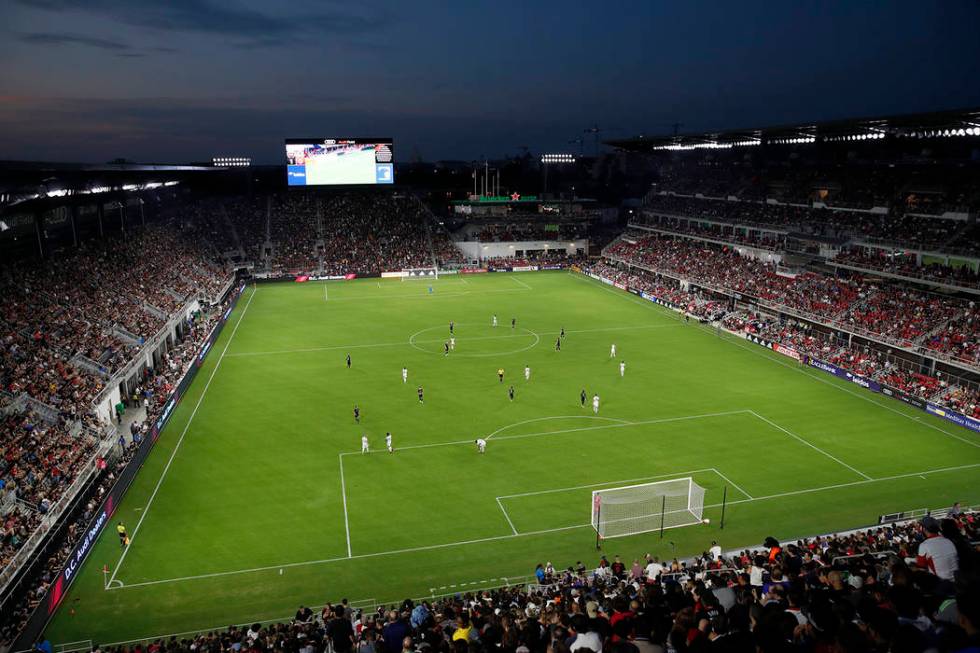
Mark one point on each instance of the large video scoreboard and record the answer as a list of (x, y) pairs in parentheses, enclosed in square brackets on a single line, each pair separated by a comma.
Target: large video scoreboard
[(339, 161)]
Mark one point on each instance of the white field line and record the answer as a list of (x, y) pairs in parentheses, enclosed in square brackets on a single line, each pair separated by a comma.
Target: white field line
[(494, 538), (626, 480), (731, 482), (434, 295), (811, 445), (626, 328), (343, 494), (520, 436), (506, 516), (305, 350), (518, 281), (836, 486), (616, 291), (755, 349), (180, 440), (758, 351), (544, 419)]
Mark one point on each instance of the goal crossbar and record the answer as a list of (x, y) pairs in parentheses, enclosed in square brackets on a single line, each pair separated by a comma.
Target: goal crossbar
[(646, 507)]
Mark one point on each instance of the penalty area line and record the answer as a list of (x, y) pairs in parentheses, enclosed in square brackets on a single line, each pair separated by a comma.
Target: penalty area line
[(811, 445), (495, 538), (519, 282)]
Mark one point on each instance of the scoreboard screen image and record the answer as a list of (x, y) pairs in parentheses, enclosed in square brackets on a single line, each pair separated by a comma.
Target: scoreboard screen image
[(339, 161)]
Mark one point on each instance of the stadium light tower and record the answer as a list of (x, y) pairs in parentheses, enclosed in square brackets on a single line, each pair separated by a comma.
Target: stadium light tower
[(231, 161), (553, 159)]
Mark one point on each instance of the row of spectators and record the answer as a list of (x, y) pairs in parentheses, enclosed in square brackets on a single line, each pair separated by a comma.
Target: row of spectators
[(65, 324), (347, 233), (531, 231), (868, 362), (895, 314), (152, 393), (906, 229), (899, 588), (726, 232), (899, 264), (864, 361)]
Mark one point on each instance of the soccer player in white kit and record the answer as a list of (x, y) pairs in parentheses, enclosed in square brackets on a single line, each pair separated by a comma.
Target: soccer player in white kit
[(481, 445), (527, 373), (595, 404), (364, 444), (612, 351), (494, 321), (622, 368), (388, 442), (452, 343), (404, 375)]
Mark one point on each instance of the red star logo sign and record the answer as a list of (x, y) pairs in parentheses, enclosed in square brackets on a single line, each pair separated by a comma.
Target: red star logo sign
[(514, 197)]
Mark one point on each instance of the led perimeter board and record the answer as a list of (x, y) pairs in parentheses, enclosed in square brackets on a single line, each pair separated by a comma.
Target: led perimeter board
[(339, 161)]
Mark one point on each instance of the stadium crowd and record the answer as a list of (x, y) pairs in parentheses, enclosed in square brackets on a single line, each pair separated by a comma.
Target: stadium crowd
[(347, 233), (896, 314), (151, 395), (907, 266), (65, 325), (531, 230), (957, 393), (899, 227), (727, 233), (899, 588)]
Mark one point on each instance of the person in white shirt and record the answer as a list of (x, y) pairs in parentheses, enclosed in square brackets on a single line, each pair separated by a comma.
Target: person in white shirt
[(612, 351), (937, 553), (493, 321), (404, 375), (715, 551), (654, 568), (364, 444), (452, 343), (527, 373), (595, 404), (590, 639), (388, 442), (622, 368), (481, 445)]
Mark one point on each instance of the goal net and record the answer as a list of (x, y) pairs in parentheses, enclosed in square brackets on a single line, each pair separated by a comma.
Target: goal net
[(419, 274), (634, 509)]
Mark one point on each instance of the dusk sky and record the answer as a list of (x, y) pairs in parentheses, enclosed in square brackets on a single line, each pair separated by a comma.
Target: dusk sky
[(182, 80)]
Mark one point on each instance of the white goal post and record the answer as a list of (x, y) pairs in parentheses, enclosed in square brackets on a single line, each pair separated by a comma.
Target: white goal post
[(634, 509)]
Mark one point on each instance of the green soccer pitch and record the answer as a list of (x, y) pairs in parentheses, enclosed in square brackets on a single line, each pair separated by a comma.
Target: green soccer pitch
[(256, 498)]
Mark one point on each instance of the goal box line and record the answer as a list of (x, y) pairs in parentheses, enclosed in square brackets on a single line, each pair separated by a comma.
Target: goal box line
[(723, 481)]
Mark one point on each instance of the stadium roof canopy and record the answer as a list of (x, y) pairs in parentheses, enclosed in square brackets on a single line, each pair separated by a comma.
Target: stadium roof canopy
[(963, 123), (37, 185)]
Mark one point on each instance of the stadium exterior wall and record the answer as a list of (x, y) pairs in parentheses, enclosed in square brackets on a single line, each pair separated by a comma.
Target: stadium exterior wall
[(103, 515), (869, 384)]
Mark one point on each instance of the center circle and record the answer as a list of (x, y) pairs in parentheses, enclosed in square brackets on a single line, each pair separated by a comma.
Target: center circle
[(468, 335)]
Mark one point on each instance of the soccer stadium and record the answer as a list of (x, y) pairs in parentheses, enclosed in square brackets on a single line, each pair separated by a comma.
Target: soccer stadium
[(672, 390)]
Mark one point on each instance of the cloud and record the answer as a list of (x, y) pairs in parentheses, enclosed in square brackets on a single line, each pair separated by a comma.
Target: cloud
[(206, 17), (66, 38), (118, 48)]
